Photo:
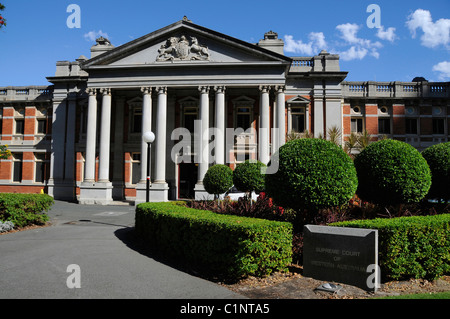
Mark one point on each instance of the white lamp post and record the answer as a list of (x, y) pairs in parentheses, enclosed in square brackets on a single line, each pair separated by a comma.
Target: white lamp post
[(148, 138)]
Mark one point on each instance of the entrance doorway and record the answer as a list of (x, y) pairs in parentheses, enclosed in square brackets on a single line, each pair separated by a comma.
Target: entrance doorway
[(187, 179)]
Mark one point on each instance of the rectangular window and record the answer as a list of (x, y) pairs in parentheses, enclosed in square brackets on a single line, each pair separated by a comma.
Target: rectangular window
[(20, 127), (384, 126), (243, 118), (190, 115), (137, 121), (356, 125), (411, 126), (135, 168), (17, 167), (298, 120), (41, 126), (438, 126), (39, 172)]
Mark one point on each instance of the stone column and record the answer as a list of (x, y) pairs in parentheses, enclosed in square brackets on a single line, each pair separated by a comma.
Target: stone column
[(281, 117), (146, 126), (160, 136), (220, 125), (203, 141), (204, 118), (89, 175), (141, 187), (160, 188), (105, 135), (264, 125)]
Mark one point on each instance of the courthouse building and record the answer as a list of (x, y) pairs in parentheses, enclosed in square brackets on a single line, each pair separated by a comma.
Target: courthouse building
[(81, 138)]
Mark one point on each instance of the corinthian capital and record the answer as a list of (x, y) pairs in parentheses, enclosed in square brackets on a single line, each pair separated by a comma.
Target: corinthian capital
[(146, 90), (219, 89), (264, 88), (105, 91), (203, 89), (280, 88), (91, 91)]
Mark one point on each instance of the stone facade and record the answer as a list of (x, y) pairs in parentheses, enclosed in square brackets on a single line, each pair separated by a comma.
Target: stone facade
[(80, 138)]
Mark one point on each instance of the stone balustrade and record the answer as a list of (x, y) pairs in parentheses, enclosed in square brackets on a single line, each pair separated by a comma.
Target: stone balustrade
[(26, 93), (395, 89)]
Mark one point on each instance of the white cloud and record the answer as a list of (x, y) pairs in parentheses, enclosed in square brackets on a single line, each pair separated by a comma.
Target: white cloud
[(444, 69), (388, 35), (360, 48), (93, 35), (315, 45), (434, 33)]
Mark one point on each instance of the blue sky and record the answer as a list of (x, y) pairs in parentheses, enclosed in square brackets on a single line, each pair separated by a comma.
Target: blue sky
[(414, 39)]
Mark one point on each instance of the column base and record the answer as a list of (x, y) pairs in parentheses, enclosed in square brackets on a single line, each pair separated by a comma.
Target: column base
[(159, 192), (95, 193), (62, 190), (201, 193)]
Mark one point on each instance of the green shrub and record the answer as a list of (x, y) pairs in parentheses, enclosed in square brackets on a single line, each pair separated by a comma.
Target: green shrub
[(25, 209), (392, 172), (417, 247), (218, 179), (312, 174), (247, 176), (223, 246), (438, 158)]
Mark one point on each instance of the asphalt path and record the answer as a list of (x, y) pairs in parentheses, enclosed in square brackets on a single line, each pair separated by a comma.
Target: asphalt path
[(88, 252)]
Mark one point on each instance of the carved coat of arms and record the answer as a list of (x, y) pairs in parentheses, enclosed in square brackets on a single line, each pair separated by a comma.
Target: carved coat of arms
[(180, 49)]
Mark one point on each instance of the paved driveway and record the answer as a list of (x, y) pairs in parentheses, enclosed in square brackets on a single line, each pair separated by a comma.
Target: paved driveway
[(88, 247)]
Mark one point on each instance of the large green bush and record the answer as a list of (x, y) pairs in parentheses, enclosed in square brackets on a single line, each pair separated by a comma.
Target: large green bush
[(392, 172), (249, 176), (417, 247), (25, 209), (218, 179), (438, 158), (312, 174), (223, 246)]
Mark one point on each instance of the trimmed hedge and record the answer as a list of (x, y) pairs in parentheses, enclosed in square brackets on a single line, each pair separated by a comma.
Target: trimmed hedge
[(417, 246), (218, 179), (247, 176), (438, 158), (312, 174), (25, 209), (392, 172), (224, 246)]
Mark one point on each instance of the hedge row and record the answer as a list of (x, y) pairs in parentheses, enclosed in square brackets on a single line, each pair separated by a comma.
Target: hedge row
[(229, 247), (25, 209), (417, 246)]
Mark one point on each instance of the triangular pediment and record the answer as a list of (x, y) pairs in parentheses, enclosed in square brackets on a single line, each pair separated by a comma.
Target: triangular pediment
[(184, 42), (298, 100)]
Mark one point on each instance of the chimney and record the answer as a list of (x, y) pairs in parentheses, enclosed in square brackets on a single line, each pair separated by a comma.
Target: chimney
[(272, 43), (102, 46)]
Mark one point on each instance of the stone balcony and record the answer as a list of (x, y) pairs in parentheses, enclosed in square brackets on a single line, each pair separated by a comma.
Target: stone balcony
[(398, 90)]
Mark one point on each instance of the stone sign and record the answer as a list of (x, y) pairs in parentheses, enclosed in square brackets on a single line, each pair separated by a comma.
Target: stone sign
[(344, 255)]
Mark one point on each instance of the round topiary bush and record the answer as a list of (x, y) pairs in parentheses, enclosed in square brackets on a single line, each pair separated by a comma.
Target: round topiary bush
[(438, 158), (312, 174), (247, 176), (392, 172), (218, 179)]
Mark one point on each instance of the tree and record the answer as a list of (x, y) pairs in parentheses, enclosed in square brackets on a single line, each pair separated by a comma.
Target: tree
[(312, 174), (2, 19), (392, 172), (4, 152), (218, 179), (438, 158), (247, 177)]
